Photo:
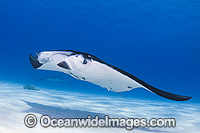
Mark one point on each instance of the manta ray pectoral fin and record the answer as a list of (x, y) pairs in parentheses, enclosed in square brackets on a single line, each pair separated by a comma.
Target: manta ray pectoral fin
[(161, 93), (153, 89), (168, 95)]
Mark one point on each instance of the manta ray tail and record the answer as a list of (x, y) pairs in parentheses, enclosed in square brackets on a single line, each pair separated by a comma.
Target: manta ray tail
[(118, 93), (121, 95)]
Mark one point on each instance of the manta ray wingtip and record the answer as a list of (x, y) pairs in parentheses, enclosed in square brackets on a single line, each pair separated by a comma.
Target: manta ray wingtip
[(186, 98)]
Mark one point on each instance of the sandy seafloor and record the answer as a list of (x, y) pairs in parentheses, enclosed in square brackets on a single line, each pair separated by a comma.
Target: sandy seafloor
[(16, 103)]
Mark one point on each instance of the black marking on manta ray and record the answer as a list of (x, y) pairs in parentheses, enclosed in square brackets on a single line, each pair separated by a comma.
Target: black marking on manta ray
[(83, 78), (85, 61), (129, 87), (74, 75), (64, 64)]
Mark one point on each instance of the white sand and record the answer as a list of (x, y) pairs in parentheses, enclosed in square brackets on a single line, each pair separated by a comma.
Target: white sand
[(14, 107)]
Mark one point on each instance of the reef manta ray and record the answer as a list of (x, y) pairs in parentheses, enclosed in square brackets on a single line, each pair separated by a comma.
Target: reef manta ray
[(89, 68)]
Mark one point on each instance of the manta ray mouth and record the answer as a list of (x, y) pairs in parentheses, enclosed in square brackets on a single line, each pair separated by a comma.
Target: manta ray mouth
[(34, 62)]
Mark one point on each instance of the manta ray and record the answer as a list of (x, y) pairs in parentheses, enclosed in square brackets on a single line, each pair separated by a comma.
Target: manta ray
[(89, 68)]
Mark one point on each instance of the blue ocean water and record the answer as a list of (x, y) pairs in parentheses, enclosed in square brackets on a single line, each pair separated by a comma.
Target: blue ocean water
[(156, 41)]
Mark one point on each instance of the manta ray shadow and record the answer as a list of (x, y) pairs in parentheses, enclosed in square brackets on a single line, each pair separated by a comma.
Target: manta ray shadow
[(58, 112)]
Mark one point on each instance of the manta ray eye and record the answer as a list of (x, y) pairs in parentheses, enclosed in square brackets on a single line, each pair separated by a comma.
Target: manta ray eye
[(64, 65), (85, 61)]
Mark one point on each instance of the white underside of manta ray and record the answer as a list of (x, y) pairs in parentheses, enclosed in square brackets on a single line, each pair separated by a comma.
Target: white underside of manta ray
[(89, 68)]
